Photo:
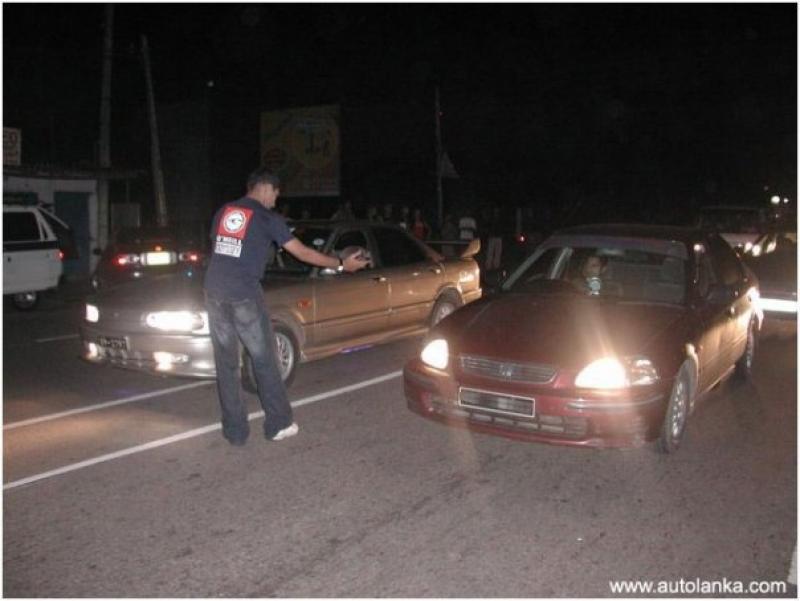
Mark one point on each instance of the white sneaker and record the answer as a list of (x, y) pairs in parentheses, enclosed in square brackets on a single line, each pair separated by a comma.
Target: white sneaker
[(286, 432)]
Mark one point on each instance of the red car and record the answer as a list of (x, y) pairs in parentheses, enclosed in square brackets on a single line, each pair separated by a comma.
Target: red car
[(606, 336)]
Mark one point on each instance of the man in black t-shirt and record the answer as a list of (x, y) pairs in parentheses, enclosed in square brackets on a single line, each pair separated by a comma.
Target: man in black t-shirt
[(241, 234)]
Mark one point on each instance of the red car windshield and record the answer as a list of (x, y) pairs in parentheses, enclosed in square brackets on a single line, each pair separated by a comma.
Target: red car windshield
[(622, 274)]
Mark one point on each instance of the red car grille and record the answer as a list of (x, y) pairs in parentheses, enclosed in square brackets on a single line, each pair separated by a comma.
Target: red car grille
[(533, 373), (555, 425)]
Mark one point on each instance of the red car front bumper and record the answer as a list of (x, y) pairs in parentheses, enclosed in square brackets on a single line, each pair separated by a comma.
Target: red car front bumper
[(556, 416)]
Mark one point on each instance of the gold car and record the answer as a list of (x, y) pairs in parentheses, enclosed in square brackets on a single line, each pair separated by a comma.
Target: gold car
[(160, 325)]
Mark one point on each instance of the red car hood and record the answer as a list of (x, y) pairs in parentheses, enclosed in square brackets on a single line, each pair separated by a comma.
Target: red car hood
[(563, 330)]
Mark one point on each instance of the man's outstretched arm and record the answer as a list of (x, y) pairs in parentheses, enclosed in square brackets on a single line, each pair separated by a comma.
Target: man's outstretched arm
[(308, 255)]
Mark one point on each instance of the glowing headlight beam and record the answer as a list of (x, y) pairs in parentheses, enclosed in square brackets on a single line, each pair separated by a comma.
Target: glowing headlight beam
[(611, 373), (178, 321), (603, 373), (436, 354), (777, 305), (92, 313)]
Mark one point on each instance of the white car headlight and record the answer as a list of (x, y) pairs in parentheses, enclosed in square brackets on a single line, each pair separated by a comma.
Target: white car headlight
[(611, 373), (436, 353), (92, 313), (603, 373), (179, 321)]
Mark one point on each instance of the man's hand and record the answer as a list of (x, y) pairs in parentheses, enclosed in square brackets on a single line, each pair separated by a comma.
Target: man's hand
[(355, 262)]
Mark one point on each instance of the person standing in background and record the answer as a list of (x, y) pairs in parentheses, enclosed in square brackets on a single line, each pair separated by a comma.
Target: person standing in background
[(419, 228), (467, 226), (494, 245), (405, 217)]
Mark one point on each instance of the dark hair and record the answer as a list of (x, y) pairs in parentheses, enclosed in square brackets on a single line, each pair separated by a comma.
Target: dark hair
[(603, 258), (262, 175)]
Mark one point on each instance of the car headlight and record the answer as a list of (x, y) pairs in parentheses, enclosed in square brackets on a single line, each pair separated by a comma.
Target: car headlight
[(436, 353), (611, 373), (92, 313), (179, 321)]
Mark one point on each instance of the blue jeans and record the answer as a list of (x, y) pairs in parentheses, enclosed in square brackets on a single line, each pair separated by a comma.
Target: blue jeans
[(236, 322)]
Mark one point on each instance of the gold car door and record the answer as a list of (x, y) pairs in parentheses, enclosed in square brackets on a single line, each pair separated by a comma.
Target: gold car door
[(414, 278), (349, 306)]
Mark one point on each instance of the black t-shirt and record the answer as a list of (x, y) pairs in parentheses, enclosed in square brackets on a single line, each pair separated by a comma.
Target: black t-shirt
[(241, 234)]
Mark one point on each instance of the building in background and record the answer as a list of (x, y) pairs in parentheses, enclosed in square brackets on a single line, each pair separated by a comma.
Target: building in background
[(71, 194)]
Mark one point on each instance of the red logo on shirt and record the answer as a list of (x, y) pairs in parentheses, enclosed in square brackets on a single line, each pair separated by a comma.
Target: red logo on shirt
[(234, 222)]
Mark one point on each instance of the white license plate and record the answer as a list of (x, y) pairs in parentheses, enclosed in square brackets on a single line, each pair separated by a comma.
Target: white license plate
[(497, 402), (114, 343), (159, 258)]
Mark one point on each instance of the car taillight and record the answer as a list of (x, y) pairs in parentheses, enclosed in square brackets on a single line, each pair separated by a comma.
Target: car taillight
[(61, 255), (129, 259), (189, 256)]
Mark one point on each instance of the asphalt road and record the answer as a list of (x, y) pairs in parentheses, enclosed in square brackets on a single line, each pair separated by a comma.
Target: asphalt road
[(120, 484)]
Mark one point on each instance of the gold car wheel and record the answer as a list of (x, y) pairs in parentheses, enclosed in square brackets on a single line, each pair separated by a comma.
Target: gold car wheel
[(286, 356), (442, 308)]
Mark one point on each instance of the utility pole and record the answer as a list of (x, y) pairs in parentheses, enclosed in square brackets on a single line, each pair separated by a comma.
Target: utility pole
[(162, 217), (439, 199), (104, 145)]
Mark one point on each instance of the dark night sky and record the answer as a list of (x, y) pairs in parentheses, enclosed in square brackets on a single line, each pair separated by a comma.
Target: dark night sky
[(611, 103)]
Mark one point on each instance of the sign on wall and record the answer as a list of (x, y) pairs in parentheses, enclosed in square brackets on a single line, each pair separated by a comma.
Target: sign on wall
[(302, 146), (12, 146)]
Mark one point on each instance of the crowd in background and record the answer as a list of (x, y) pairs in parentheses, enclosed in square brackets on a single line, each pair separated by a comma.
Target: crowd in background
[(507, 235)]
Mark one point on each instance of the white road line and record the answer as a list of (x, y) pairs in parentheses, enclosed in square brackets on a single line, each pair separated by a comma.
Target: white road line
[(131, 399), (54, 338), (191, 433)]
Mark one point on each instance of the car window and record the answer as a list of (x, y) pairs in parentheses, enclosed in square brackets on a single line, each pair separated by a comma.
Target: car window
[(618, 273), (705, 274), (20, 226), (283, 262), (396, 248), (725, 262), (538, 268), (66, 239), (351, 238)]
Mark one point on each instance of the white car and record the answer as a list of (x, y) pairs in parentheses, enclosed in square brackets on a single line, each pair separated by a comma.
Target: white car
[(32, 257)]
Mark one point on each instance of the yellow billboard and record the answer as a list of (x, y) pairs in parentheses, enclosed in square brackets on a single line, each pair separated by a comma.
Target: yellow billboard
[(302, 146)]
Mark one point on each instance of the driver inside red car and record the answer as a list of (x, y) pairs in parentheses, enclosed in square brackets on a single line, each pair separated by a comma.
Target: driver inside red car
[(590, 281)]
